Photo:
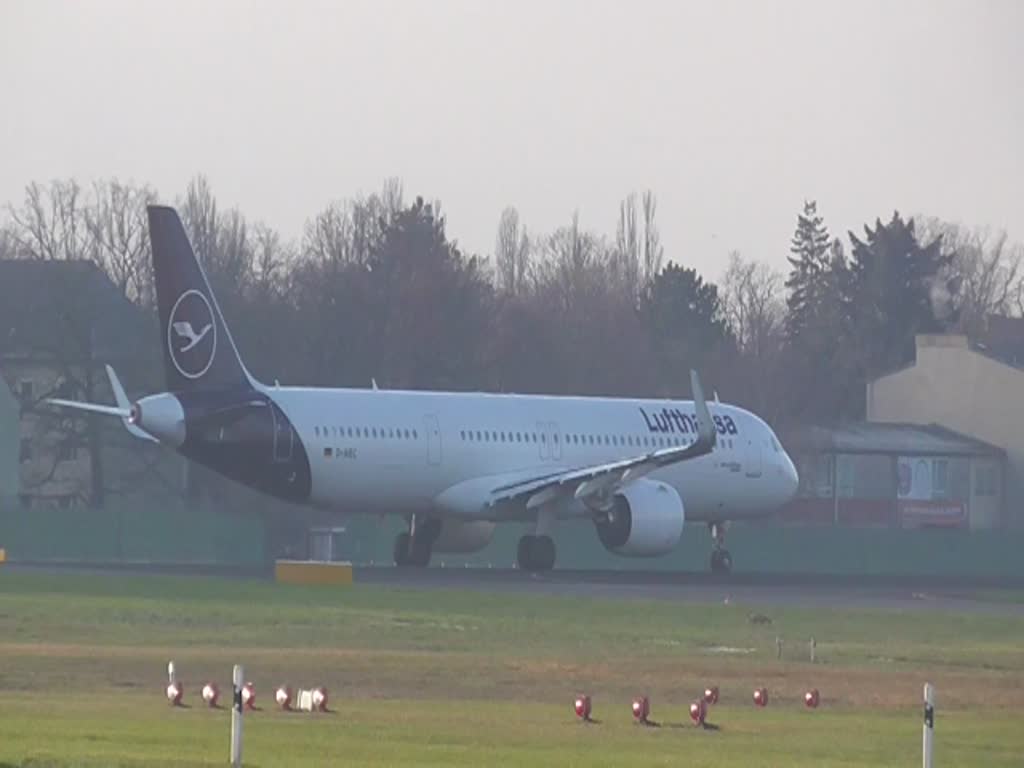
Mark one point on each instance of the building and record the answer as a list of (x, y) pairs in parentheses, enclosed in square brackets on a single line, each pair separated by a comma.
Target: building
[(60, 321), (9, 442), (895, 476), (974, 389)]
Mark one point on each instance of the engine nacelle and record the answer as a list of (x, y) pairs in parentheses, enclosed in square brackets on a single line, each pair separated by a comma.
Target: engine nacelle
[(645, 520), (162, 416), (457, 537)]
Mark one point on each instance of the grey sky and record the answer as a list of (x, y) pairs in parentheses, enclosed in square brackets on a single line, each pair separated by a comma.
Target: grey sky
[(732, 112)]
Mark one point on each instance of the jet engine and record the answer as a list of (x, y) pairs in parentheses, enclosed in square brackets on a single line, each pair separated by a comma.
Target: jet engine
[(645, 520), (462, 538)]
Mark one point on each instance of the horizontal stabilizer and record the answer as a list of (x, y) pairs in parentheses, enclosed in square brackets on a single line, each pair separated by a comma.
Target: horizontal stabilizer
[(106, 410)]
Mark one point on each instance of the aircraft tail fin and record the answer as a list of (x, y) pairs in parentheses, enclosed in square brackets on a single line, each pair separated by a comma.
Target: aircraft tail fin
[(199, 353)]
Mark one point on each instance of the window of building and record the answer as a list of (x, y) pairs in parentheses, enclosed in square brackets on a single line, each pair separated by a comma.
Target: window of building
[(940, 478), (984, 479)]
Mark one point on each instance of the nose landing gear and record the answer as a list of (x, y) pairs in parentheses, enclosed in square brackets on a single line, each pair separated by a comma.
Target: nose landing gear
[(721, 560)]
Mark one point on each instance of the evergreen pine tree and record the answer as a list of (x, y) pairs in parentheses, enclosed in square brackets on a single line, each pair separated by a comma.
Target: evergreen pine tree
[(810, 264)]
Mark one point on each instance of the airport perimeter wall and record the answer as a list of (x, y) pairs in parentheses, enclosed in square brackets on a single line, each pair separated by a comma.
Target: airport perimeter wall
[(772, 549), (123, 533), (205, 536)]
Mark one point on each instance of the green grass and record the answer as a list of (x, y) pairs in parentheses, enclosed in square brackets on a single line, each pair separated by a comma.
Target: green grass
[(448, 677)]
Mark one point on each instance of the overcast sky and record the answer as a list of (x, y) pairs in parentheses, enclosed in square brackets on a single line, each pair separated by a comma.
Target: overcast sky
[(732, 112)]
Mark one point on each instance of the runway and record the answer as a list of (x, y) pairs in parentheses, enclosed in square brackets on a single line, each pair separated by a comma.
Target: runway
[(739, 589), (900, 594)]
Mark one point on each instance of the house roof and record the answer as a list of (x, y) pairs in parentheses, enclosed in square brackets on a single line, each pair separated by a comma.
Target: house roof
[(61, 308), (891, 439)]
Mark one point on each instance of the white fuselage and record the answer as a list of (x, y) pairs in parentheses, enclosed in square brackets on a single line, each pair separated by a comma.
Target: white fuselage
[(384, 451)]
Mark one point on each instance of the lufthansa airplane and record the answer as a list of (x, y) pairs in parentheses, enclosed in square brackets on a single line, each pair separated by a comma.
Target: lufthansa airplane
[(452, 464)]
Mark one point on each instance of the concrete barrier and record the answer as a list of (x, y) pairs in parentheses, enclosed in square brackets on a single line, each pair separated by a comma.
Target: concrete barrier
[(312, 572)]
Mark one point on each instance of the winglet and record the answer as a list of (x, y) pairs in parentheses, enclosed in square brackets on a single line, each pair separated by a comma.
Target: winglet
[(122, 402), (706, 431)]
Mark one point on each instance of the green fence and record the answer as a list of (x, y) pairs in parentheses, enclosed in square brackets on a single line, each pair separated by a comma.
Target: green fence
[(124, 533), (173, 533), (990, 555)]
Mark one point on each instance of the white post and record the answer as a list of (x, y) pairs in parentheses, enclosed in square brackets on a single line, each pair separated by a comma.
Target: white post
[(238, 680), (172, 676), (929, 723)]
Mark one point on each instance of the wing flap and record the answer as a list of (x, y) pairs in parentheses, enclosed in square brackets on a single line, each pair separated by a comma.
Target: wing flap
[(602, 480)]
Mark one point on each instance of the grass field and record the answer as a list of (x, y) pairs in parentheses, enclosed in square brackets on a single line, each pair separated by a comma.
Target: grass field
[(470, 678)]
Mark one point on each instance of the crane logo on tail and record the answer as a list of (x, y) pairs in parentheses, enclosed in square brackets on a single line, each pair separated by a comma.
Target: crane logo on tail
[(192, 334)]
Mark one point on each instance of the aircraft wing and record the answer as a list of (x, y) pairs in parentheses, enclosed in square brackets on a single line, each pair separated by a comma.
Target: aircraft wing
[(601, 481)]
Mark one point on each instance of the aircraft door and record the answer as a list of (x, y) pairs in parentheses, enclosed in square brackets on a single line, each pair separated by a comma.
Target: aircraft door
[(542, 435), (556, 443), (433, 429), (283, 436), (753, 458)]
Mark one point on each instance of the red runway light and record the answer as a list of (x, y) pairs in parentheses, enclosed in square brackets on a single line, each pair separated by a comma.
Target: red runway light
[(249, 696), (698, 711), (641, 709), (711, 695), (210, 694), (761, 697), (581, 706), (283, 697), (811, 698), (320, 699), (174, 693)]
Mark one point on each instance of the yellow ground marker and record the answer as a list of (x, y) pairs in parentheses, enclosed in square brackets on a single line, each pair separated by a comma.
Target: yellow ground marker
[(312, 572)]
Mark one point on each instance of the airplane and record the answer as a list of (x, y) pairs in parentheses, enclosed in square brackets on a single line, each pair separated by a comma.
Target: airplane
[(453, 464)]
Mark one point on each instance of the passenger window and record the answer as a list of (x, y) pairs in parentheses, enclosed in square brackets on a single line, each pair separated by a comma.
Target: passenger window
[(414, 435)]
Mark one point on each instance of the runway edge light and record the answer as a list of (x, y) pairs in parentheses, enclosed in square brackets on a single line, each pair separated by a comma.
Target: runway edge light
[(711, 694), (641, 709), (698, 711), (249, 696), (283, 697), (761, 697), (581, 706), (811, 698), (210, 694)]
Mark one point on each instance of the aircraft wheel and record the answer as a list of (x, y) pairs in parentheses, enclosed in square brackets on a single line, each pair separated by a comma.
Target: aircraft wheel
[(422, 548), (544, 553), (721, 561), (524, 553), (402, 550)]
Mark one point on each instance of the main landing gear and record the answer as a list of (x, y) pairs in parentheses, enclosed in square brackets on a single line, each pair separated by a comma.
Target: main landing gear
[(535, 553), (415, 546), (721, 560)]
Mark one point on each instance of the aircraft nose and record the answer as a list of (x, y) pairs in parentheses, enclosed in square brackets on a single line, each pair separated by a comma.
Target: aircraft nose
[(791, 479)]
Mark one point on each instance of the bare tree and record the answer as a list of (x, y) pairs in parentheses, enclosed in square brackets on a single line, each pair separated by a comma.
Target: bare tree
[(118, 230), (986, 274), (638, 254), (51, 223), (752, 294), (511, 253)]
